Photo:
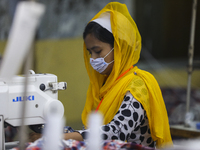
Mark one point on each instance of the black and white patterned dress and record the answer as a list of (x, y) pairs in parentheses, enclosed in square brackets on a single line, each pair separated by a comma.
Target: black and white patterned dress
[(129, 124)]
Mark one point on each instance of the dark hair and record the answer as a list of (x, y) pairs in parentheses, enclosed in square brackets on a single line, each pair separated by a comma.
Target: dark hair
[(99, 32)]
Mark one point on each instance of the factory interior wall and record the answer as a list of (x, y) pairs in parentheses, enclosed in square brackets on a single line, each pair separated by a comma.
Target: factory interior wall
[(64, 58)]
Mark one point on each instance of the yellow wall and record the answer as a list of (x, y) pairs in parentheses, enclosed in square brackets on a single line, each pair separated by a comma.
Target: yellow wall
[(2, 47), (176, 77), (64, 58)]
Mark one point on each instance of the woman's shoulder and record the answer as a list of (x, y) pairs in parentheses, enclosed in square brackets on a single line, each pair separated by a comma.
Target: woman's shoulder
[(129, 98), (138, 89), (137, 81)]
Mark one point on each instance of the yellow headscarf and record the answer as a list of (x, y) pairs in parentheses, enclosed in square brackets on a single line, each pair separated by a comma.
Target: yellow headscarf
[(141, 84)]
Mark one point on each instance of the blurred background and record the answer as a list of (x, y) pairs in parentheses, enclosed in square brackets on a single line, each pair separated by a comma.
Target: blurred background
[(165, 29)]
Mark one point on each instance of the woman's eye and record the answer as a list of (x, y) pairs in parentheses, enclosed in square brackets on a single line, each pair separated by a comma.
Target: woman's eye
[(89, 52), (94, 52), (98, 52)]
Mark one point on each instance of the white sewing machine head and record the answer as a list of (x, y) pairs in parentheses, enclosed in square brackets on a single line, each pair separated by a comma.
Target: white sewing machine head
[(41, 96)]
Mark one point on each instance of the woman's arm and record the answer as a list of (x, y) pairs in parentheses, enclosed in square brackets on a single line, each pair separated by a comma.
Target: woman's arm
[(73, 135), (126, 120)]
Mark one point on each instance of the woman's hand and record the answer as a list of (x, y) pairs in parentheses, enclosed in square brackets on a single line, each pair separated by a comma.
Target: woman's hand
[(73, 135)]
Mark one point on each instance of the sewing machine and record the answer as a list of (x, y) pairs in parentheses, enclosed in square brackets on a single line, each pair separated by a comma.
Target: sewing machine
[(41, 97)]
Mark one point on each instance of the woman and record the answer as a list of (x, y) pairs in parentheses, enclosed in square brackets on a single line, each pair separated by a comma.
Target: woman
[(129, 98)]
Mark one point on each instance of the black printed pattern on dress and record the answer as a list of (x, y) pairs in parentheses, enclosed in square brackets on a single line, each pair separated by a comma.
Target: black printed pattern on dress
[(129, 124)]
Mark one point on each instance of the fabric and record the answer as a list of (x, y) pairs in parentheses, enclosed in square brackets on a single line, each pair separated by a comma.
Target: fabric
[(129, 124), (141, 84), (104, 21), (81, 145)]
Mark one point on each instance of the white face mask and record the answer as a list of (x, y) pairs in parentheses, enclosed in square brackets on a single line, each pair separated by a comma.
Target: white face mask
[(99, 64)]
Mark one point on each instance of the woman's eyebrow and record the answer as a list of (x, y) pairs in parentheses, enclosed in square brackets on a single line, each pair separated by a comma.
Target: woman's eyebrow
[(93, 48)]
